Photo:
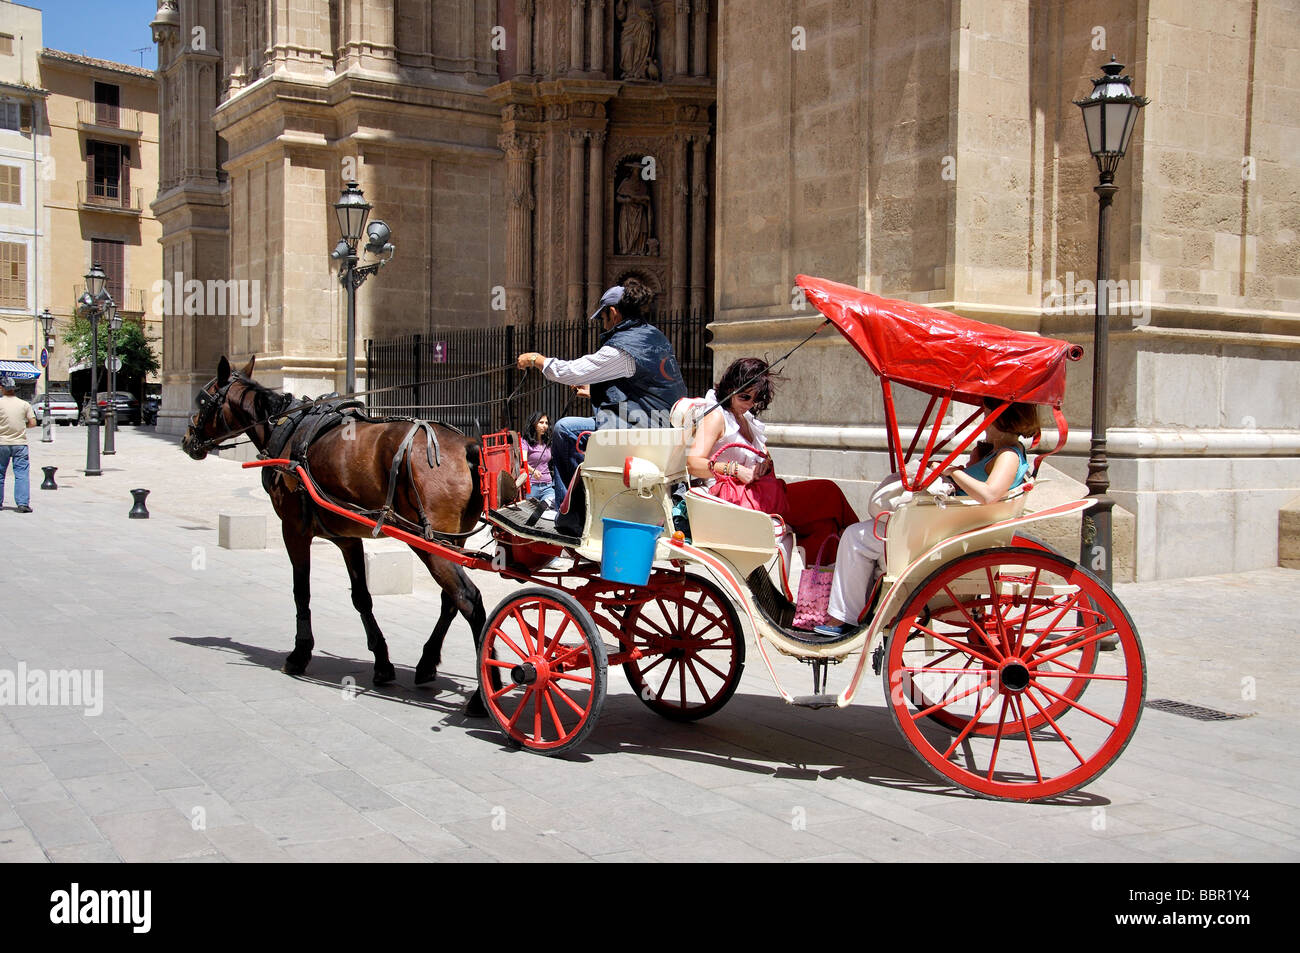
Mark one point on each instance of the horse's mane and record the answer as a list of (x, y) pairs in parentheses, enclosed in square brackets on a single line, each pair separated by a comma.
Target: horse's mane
[(266, 401)]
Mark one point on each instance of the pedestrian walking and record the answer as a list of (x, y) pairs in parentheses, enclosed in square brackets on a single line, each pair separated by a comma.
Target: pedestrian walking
[(15, 418)]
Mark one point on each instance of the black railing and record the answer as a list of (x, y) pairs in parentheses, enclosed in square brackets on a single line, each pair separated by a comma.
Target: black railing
[(443, 375)]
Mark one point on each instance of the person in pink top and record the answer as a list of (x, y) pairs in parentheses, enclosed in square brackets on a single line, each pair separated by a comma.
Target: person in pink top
[(537, 462)]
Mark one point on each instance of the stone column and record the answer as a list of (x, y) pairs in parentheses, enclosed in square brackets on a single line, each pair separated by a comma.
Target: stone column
[(677, 300), (699, 218), (596, 218), (524, 41), (701, 38), (573, 225), (598, 36), (681, 33), (519, 151), (575, 35)]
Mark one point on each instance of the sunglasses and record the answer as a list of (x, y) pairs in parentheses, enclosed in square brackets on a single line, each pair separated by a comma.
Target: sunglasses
[(748, 398)]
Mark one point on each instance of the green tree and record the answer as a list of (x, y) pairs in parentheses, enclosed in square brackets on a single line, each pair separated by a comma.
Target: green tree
[(132, 347)]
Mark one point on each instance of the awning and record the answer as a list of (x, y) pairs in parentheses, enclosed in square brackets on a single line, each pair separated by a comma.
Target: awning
[(20, 370)]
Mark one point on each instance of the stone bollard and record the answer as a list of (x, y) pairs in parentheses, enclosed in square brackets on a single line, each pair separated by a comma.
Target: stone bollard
[(239, 531), (49, 483), (388, 572), (138, 511)]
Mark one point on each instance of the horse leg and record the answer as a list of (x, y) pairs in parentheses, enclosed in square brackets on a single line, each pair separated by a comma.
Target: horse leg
[(354, 558), (459, 594), (299, 548)]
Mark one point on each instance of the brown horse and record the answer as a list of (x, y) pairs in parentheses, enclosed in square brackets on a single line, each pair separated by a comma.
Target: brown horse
[(350, 464)]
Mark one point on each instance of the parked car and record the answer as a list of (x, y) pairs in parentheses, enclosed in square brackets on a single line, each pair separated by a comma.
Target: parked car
[(125, 406), (63, 409), (149, 409)]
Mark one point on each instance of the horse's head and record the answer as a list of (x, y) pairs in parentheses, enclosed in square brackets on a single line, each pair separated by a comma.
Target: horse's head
[(223, 409)]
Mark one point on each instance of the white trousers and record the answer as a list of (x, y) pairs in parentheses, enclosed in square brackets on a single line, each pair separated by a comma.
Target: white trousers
[(856, 565)]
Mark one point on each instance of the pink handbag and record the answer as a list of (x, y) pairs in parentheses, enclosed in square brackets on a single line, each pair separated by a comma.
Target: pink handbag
[(814, 591)]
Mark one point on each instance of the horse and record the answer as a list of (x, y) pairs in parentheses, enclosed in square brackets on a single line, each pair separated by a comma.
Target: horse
[(351, 465)]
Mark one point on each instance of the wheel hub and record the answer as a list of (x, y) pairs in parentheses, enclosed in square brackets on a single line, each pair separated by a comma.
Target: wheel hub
[(1013, 675), (524, 674)]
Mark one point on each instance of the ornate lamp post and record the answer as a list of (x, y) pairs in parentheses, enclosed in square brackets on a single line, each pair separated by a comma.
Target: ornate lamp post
[(110, 422), (1109, 116), (47, 328), (352, 209), (93, 302)]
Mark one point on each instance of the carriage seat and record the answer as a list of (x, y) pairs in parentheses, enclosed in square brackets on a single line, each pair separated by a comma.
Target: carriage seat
[(923, 521)]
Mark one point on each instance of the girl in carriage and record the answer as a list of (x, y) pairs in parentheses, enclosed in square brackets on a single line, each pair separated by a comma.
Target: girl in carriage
[(998, 465)]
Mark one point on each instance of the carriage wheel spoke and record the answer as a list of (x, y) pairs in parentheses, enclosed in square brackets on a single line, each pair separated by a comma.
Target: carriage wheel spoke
[(1070, 606), (525, 632), (1029, 738), (961, 607), (718, 672), (997, 738), (1057, 728), (667, 677), (699, 683), (573, 678), (548, 650), (523, 656), (523, 703), (956, 698), (1094, 637), (959, 646), (970, 725), (1073, 704), (502, 691), (995, 601), (560, 731), (1024, 623)]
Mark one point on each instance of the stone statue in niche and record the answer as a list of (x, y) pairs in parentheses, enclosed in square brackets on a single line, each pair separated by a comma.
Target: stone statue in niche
[(637, 43), (635, 214)]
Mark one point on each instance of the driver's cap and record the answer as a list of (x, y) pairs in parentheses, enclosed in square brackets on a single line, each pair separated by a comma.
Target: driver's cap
[(609, 299)]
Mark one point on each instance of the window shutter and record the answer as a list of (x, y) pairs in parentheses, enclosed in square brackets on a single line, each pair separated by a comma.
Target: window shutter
[(25, 119), (126, 177)]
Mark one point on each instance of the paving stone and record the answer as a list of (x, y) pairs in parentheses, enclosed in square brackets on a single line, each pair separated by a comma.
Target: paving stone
[(19, 846), (308, 816), (28, 783), (416, 831), (95, 852), (57, 823), (377, 848), (153, 836), (124, 792)]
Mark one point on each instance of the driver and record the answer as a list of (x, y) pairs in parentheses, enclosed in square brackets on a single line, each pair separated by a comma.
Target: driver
[(634, 381)]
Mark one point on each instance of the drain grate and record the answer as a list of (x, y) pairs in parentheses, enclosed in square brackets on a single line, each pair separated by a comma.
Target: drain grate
[(1192, 711)]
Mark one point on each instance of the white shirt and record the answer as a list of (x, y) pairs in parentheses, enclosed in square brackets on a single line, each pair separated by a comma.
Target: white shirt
[(607, 364), (731, 434)]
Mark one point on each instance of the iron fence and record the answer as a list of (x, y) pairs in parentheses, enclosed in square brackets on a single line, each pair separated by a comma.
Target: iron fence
[(466, 377)]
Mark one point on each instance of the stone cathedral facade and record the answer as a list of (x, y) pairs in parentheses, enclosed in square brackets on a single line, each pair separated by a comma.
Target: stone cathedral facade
[(525, 153)]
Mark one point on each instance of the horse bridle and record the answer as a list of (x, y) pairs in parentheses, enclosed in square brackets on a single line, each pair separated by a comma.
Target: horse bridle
[(209, 405)]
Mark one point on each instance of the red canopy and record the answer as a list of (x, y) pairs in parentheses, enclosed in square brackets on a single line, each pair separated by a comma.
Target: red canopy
[(940, 353)]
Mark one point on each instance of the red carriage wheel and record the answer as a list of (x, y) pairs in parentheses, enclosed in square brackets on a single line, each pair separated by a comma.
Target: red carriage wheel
[(542, 668), (1003, 657), (693, 649)]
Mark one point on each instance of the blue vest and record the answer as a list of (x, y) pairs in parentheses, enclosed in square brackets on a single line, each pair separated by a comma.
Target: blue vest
[(646, 398)]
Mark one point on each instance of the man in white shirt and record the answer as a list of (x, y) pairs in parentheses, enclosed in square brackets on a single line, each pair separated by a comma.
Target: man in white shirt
[(15, 418), (634, 381)]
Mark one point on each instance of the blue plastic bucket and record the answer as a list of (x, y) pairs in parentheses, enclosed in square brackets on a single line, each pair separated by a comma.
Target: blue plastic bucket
[(627, 551)]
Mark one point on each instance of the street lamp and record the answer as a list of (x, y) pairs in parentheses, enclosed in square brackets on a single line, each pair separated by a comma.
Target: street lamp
[(352, 210), (110, 424), (47, 328), (93, 302), (1109, 116)]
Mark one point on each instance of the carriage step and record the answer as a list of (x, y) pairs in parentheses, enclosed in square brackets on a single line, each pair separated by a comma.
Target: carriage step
[(525, 519), (825, 700)]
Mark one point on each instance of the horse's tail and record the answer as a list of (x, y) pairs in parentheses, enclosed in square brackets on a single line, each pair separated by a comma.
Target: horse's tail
[(474, 505)]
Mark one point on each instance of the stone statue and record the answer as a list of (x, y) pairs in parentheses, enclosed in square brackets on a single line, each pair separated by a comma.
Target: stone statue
[(635, 217), (637, 47)]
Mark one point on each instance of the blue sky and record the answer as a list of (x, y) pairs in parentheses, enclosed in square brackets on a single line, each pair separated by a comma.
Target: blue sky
[(107, 29)]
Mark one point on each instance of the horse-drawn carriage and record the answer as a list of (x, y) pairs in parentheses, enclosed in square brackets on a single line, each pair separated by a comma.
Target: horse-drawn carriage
[(987, 642)]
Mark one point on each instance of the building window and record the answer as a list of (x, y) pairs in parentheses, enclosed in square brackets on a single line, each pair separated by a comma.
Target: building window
[(111, 256), (9, 116), (106, 104), (11, 185), (6, 44), (108, 172), (13, 275)]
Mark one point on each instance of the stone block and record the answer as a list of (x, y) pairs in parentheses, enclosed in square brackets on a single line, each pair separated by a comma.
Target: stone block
[(388, 572), (241, 531), (1288, 535)]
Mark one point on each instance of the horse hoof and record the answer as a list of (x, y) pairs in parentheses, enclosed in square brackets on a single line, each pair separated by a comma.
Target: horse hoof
[(384, 676), (474, 708), (425, 676), (293, 667)]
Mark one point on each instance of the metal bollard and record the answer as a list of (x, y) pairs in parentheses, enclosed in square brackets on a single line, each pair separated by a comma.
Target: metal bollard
[(49, 483), (138, 511)]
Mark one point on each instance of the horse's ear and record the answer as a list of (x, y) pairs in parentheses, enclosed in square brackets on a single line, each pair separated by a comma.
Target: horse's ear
[(248, 368), (223, 371)]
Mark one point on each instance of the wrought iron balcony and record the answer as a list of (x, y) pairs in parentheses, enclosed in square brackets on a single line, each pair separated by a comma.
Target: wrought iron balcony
[(104, 119), (109, 196)]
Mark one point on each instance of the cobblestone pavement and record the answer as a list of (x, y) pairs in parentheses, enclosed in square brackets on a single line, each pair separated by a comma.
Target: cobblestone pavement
[(204, 750)]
